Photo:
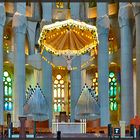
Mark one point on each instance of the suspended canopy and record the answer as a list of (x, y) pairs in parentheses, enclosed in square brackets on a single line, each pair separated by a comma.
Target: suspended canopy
[(68, 37)]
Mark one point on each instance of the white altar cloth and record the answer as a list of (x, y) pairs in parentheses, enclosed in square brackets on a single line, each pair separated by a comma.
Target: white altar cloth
[(69, 127)]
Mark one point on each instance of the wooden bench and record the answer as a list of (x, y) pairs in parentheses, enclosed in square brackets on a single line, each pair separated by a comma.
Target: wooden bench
[(42, 127), (91, 124)]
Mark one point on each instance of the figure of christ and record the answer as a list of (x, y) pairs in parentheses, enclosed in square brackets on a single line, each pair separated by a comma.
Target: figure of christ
[(69, 59)]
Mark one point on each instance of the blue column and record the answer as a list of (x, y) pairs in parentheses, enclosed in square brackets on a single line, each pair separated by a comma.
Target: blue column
[(19, 28), (2, 22), (127, 105), (47, 11), (103, 26), (47, 68), (47, 83), (75, 77), (21, 7), (75, 10), (136, 11)]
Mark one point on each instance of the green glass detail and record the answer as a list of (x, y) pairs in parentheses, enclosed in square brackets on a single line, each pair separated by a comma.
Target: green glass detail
[(3, 78), (6, 90), (115, 83), (111, 74), (59, 108), (5, 74), (115, 91), (115, 106), (111, 106), (55, 107), (114, 79), (10, 91), (111, 92), (7, 83), (111, 87), (112, 83), (8, 79)]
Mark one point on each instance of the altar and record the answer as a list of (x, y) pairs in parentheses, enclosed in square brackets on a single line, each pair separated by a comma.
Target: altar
[(69, 127)]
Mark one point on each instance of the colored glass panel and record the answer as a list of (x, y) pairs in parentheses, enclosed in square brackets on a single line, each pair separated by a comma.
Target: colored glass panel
[(58, 93), (58, 76), (63, 93), (5, 74), (111, 106), (59, 108), (6, 106), (10, 106), (7, 83), (3, 78), (115, 106), (61, 81), (55, 93), (113, 91), (55, 107), (111, 74), (9, 79)]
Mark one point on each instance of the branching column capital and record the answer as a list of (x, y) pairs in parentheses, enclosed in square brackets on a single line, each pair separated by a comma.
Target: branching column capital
[(103, 25), (19, 23), (125, 14)]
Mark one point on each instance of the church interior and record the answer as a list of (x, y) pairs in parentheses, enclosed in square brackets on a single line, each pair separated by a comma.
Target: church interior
[(69, 65)]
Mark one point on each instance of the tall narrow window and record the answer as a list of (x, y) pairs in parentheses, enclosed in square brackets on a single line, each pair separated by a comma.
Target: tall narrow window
[(113, 91), (95, 83), (113, 87), (7, 84), (58, 94)]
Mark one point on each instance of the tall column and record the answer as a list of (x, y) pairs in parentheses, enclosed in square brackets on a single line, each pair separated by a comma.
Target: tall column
[(82, 13), (103, 25), (47, 68), (47, 11), (75, 77), (19, 28), (136, 11), (125, 19), (21, 7), (2, 22), (75, 10), (47, 83)]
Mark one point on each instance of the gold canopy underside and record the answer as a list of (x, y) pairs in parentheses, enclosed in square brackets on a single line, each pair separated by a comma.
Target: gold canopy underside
[(68, 37)]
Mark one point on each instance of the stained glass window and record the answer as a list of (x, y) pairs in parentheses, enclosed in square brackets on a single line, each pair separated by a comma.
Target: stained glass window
[(7, 83), (58, 94), (113, 89), (95, 83)]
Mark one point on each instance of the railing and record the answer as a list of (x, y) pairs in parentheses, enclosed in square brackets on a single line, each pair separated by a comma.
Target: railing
[(69, 127)]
